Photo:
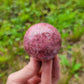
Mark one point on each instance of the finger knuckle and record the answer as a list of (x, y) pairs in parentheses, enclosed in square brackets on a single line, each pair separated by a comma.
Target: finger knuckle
[(10, 77)]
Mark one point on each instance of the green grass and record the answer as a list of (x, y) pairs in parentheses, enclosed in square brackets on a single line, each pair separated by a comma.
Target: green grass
[(16, 16)]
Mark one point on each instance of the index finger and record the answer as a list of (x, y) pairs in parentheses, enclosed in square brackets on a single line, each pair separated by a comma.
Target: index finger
[(27, 72)]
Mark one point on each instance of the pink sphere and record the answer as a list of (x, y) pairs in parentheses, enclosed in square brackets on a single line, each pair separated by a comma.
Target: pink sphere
[(42, 41)]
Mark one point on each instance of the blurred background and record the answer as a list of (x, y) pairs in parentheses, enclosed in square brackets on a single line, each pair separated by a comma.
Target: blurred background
[(16, 16)]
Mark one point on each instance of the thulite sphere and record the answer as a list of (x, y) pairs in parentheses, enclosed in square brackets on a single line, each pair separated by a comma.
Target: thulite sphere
[(42, 41)]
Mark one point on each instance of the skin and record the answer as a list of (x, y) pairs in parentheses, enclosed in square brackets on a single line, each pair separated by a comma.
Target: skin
[(36, 72)]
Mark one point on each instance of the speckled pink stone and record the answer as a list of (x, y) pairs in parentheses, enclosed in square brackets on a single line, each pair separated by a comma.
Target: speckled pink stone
[(42, 41)]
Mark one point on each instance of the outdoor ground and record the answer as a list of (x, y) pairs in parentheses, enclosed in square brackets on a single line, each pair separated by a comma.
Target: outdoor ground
[(16, 16)]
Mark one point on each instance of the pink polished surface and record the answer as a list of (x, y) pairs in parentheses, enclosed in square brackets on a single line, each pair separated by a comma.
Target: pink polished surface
[(42, 41)]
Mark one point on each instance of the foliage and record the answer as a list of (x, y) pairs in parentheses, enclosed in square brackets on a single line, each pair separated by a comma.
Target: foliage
[(16, 16)]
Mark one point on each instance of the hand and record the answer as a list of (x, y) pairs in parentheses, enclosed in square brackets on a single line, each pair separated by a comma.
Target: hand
[(34, 74)]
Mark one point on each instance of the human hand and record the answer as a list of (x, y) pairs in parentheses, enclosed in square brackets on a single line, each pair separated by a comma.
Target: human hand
[(34, 74)]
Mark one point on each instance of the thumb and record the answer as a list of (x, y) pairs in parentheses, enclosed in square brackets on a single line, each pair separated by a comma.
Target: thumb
[(24, 74)]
